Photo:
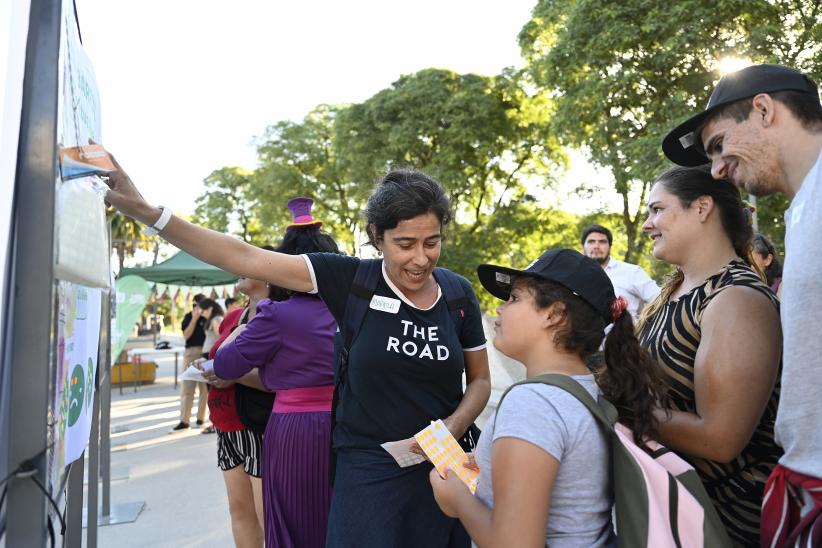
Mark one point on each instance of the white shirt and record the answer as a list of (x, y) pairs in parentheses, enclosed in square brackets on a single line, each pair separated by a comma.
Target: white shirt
[(799, 417), (631, 282)]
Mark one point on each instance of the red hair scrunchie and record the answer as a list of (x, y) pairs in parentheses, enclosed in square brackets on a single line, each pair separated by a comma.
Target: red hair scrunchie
[(618, 306)]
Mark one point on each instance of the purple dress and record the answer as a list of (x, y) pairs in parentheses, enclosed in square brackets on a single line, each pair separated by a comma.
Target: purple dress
[(291, 342)]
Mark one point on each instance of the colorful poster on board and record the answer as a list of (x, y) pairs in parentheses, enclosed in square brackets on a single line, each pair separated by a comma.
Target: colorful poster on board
[(78, 337), (83, 252), (79, 118)]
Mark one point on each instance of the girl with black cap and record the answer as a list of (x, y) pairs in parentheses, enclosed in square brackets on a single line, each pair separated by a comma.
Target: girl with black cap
[(553, 321)]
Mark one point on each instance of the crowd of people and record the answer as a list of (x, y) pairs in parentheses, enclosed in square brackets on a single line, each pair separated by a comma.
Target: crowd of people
[(720, 364)]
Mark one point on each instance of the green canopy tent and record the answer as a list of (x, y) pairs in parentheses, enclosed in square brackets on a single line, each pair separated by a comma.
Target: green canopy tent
[(182, 269)]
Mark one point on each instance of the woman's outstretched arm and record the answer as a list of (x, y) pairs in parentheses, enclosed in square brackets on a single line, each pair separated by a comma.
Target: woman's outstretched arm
[(221, 250)]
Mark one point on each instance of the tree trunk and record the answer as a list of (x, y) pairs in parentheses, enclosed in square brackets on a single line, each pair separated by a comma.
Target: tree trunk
[(121, 254), (633, 226)]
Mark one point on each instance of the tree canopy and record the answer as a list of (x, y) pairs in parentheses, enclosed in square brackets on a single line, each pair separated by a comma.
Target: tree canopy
[(484, 138), (625, 73), (609, 78)]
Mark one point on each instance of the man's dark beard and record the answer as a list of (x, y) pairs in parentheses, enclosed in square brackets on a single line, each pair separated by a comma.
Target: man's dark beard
[(758, 188), (604, 260)]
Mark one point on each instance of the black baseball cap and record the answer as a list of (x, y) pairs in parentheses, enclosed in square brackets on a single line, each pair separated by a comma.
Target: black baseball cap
[(681, 144), (571, 269)]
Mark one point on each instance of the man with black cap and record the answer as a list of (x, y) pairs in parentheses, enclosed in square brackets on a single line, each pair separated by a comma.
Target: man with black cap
[(762, 130)]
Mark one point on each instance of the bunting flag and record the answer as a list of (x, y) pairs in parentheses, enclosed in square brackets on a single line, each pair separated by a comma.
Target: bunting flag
[(213, 295), (225, 293)]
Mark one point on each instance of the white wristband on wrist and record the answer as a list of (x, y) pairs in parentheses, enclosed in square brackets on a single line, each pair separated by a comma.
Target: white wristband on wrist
[(160, 224)]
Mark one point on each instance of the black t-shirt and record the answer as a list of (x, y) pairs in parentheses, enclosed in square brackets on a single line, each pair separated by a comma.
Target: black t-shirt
[(197, 337), (405, 366)]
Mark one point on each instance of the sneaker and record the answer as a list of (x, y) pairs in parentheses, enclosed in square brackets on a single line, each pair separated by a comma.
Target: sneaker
[(199, 422), (181, 426)]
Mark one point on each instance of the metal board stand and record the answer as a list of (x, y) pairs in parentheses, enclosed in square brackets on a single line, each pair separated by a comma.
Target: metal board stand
[(126, 512), (99, 469), (74, 513), (31, 283)]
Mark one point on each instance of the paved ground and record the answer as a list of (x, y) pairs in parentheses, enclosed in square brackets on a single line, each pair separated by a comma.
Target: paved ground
[(176, 474)]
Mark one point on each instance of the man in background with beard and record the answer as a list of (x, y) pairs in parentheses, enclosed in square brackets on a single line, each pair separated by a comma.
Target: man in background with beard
[(629, 280)]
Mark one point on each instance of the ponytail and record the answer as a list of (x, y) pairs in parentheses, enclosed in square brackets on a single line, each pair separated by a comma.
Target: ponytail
[(631, 380)]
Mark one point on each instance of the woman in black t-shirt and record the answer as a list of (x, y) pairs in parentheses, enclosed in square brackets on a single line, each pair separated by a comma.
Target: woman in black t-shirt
[(408, 362), (405, 369)]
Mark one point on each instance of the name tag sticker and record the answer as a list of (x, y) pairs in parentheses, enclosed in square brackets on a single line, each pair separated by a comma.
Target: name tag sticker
[(502, 278), (385, 304)]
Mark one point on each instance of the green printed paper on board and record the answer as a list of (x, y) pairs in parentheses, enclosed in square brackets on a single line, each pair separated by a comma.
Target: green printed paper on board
[(132, 293)]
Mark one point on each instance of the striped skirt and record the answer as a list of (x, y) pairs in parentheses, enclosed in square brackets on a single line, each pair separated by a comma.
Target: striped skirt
[(296, 491)]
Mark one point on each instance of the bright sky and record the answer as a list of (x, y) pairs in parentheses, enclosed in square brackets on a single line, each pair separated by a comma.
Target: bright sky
[(186, 85)]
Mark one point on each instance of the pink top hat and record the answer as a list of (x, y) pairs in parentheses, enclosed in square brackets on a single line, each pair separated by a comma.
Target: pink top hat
[(301, 212)]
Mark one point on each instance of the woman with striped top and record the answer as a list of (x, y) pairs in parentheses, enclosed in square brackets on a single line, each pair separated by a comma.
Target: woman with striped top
[(715, 331)]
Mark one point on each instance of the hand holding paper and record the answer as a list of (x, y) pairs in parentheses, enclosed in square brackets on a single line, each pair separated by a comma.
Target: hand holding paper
[(444, 451), (401, 451), (193, 374)]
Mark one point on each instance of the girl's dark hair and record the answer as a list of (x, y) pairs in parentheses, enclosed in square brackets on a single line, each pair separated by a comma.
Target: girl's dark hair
[(401, 195), (765, 247), (688, 184), (207, 303), (297, 241), (627, 375)]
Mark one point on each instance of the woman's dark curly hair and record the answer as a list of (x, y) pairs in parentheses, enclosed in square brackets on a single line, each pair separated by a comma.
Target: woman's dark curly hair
[(401, 195), (626, 374)]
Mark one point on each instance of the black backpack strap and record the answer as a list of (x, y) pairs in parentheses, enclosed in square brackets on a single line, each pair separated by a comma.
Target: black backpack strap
[(454, 294), (359, 297), (365, 284), (603, 411)]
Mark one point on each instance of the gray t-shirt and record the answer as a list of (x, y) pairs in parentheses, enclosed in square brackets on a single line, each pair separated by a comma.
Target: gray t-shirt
[(799, 416), (555, 421)]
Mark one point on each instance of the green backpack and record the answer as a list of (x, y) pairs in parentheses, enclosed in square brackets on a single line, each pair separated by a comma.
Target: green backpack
[(659, 500)]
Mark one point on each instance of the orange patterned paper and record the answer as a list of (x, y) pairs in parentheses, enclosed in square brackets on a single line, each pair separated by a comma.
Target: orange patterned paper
[(444, 451)]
